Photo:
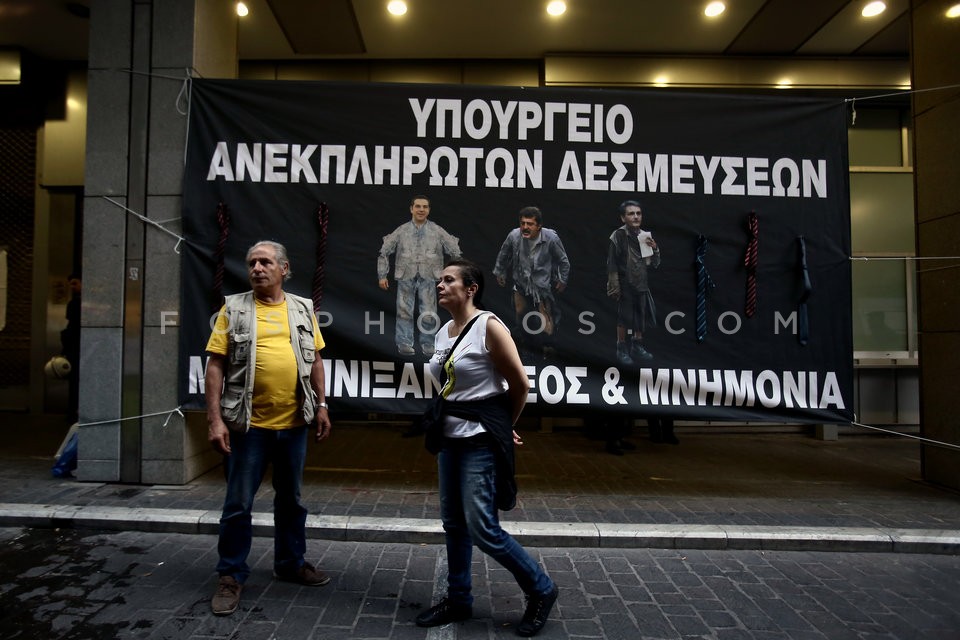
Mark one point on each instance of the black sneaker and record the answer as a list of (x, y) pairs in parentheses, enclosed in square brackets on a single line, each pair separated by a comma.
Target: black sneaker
[(535, 616), (444, 612)]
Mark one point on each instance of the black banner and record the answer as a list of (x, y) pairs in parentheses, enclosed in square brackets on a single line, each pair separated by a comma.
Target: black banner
[(330, 171)]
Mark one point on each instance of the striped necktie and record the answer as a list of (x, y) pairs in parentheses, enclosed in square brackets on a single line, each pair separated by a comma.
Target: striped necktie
[(704, 284), (803, 322), (750, 261)]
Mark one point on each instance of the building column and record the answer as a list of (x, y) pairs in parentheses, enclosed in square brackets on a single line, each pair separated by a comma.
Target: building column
[(934, 48), (141, 53)]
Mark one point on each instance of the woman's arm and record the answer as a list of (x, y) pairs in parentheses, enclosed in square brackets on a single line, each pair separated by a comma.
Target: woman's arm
[(507, 362)]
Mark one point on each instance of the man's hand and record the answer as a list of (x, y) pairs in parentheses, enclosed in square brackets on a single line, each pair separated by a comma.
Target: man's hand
[(560, 286), (323, 424), (219, 436), (384, 284)]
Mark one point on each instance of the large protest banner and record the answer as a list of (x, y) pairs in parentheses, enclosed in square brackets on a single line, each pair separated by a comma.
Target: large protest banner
[(330, 170)]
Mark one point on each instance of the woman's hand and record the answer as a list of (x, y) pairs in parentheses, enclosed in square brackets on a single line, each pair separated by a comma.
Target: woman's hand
[(517, 440)]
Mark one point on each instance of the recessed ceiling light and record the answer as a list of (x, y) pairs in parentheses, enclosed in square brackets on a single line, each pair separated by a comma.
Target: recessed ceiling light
[(556, 7), (873, 9), (784, 83), (661, 81), (397, 7), (242, 9), (954, 11), (714, 9)]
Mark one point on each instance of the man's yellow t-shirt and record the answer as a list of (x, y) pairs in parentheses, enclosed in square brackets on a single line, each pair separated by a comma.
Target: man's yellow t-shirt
[(275, 382)]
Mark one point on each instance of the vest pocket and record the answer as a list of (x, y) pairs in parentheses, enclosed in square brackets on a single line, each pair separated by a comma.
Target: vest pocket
[(231, 403), (241, 348), (307, 344)]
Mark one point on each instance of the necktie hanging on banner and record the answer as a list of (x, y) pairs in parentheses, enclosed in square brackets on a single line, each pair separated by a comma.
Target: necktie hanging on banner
[(223, 224), (704, 285), (750, 261), (319, 272), (803, 321)]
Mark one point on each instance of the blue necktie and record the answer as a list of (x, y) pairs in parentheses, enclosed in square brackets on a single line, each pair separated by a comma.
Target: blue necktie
[(803, 322), (704, 284)]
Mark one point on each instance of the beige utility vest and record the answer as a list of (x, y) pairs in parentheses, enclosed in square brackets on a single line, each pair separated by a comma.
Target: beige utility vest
[(236, 403)]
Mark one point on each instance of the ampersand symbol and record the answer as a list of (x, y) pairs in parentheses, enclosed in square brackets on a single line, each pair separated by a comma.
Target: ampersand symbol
[(612, 392)]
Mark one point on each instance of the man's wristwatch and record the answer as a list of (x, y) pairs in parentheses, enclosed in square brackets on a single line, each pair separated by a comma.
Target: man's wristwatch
[(323, 405)]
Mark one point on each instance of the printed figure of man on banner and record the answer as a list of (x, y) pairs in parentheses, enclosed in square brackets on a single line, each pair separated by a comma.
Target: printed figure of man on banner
[(537, 264), (418, 247)]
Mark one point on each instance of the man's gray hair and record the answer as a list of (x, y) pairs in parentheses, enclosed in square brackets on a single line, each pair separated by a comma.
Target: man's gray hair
[(280, 252)]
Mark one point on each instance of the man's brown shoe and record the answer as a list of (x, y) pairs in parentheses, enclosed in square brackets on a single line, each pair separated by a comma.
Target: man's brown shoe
[(227, 597), (307, 575)]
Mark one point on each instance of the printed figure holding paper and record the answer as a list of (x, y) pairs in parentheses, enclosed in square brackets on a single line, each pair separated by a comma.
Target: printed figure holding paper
[(631, 255)]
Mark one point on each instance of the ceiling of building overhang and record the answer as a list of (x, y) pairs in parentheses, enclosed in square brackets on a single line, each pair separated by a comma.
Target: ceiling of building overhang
[(507, 29)]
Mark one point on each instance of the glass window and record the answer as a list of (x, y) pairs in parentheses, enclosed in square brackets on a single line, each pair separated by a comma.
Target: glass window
[(881, 213), (880, 305), (875, 139)]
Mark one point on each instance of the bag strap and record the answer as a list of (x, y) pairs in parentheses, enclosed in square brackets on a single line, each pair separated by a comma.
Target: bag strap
[(456, 343)]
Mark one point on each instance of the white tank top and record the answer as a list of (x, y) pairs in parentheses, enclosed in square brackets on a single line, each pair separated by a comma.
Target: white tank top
[(473, 377)]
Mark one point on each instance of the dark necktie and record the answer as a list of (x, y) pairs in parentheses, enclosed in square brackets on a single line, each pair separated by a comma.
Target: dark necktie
[(320, 271), (223, 223), (704, 284), (803, 322), (750, 261)]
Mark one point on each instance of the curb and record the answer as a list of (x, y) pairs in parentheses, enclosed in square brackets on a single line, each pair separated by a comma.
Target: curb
[(534, 534)]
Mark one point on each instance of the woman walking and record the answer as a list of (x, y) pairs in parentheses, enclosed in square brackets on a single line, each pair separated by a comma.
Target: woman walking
[(484, 393)]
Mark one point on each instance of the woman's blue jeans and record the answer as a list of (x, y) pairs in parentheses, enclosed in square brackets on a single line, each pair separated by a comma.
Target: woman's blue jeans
[(252, 452), (468, 512)]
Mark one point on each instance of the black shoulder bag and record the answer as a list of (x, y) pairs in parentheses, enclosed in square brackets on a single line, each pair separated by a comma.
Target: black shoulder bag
[(431, 423)]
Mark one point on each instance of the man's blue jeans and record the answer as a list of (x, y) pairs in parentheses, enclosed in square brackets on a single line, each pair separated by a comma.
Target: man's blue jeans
[(418, 294), (253, 451), (469, 515)]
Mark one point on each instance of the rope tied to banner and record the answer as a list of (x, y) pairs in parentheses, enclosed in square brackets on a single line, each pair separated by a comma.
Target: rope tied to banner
[(705, 284), (803, 321), (169, 413), (143, 218), (223, 222), (750, 261), (320, 272)]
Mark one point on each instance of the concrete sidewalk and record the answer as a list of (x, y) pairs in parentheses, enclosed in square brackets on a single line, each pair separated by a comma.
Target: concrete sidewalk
[(714, 491)]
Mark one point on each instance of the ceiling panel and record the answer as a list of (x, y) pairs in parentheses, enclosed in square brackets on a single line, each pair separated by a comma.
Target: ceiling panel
[(781, 26), (45, 28), (316, 28), (892, 40), (849, 30), (506, 29), (511, 29)]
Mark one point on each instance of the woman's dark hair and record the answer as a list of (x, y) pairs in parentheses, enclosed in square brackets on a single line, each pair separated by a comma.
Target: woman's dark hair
[(471, 274)]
